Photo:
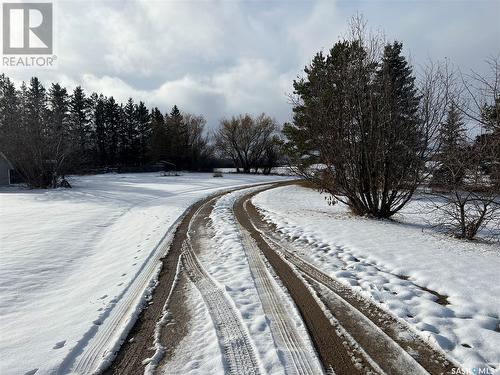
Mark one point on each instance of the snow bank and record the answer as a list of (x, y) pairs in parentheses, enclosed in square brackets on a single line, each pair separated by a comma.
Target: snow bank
[(71, 261), (394, 263)]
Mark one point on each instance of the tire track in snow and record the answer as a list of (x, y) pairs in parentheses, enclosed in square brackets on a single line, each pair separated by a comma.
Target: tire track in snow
[(96, 349), (139, 343), (238, 349), (399, 350), (335, 350), (284, 330), (393, 359)]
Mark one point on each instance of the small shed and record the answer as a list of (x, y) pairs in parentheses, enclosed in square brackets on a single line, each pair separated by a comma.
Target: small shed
[(5, 170)]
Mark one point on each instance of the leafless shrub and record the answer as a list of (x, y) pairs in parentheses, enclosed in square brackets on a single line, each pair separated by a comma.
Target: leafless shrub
[(468, 184), (250, 142)]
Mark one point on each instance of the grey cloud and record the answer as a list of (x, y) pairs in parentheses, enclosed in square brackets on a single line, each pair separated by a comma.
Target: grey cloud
[(220, 58)]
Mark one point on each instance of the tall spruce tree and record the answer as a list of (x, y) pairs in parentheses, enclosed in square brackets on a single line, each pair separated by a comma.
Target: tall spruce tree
[(99, 126), (59, 139), (112, 127), (158, 139), (34, 122), (452, 157), (355, 131), (128, 134), (176, 137), (9, 116), (81, 127), (142, 119), (399, 124)]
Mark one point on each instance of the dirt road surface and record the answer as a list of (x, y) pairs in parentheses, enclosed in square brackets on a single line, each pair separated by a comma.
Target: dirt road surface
[(350, 334)]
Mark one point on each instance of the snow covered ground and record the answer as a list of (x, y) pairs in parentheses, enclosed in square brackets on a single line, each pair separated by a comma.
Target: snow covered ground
[(75, 264), (401, 265)]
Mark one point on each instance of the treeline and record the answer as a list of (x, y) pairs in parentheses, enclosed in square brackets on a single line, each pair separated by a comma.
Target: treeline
[(47, 134), (370, 133)]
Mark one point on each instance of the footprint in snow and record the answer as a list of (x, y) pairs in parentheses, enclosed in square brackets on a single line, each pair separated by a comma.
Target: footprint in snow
[(31, 372), (124, 274), (119, 284), (104, 296), (134, 264), (59, 344)]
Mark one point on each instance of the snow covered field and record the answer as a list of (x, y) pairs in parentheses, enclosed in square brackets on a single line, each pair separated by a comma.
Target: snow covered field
[(404, 266), (75, 264)]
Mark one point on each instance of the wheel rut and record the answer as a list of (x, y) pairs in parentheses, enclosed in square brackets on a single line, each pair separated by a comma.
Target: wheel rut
[(387, 344), (140, 340), (235, 341), (334, 351), (285, 334), (351, 334), (138, 346)]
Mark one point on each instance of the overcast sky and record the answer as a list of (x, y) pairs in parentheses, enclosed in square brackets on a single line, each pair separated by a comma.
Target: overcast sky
[(220, 58)]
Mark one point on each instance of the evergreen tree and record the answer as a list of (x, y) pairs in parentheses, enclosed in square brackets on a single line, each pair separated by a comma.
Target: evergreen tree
[(452, 156), (81, 126), (112, 129), (357, 117), (158, 139), (142, 119), (128, 134), (9, 115), (177, 138), (452, 133), (398, 124), (99, 125), (33, 139), (59, 141), (490, 140), (34, 122)]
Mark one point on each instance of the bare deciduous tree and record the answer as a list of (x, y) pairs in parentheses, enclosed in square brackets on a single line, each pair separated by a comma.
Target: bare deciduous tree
[(469, 200), (469, 190), (248, 141)]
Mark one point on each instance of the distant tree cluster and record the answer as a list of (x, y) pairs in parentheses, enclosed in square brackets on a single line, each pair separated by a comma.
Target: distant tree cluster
[(251, 143), (49, 133), (369, 133)]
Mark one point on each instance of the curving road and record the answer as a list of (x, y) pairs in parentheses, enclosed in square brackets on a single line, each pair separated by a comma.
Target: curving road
[(350, 335)]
